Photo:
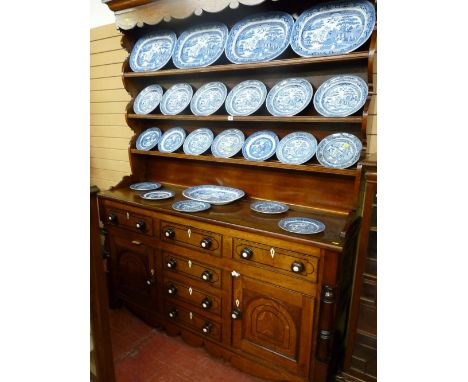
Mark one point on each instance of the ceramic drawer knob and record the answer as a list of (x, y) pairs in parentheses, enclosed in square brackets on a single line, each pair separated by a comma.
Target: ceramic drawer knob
[(297, 267), (205, 243), (173, 313), (172, 290), (140, 225), (206, 303), (207, 327), (169, 233), (246, 253), (171, 264), (207, 275), (236, 314), (112, 217)]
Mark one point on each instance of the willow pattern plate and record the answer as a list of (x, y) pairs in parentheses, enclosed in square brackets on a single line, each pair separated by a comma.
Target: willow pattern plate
[(208, 99), (148, 99), (267, 207), (246, 98), (217, 195), (190, 206), (148, 139), (339, 150), (303, 226), (260, 146), (171, 140), (200, 46), (198, 141), (228, 143), (153, 51), (289, 97), (157, 195), (296, 148), (260, 37), (176, 99), (145, 186), (333, 28)]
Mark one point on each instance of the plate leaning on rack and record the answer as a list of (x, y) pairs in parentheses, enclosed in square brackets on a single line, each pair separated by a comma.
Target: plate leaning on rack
[(171, 140), (148, 99), (153, 51), (260, 146), (296, 148), (176, 99), (208, 99), (246, 98), (303, 226), (339, 150), (198, 141), (289, 97), (217, 195), (148, 139), (228, 143)]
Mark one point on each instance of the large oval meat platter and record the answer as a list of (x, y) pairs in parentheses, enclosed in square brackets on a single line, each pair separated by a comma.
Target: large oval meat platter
[(153, 51)]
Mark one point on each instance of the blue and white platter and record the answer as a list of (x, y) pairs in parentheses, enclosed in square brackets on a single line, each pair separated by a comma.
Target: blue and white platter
[(228, 143), (303, 226), (267, 207), (289, 97), (333, 28), (200, 46), (171, 140), (341, 96), (260, 146), (260, 37), (246, 98), (339, 150), (296, 148), (208, 99), (157, 195), (148, 99), (148, 139), (217, 195), (145, 186), (198, 141), (153, 51), (190, 206), (176, 99)]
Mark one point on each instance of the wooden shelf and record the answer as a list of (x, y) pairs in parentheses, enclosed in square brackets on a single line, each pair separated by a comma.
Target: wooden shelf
[(271, 164), (253, 66)]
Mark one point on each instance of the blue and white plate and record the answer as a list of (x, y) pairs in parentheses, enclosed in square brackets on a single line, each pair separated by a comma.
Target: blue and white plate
[(333, 28), (148, 99), (198, 141), (296, 148), (339, 150), (228, 143), (260, 146), (200, 46), (153, 51), (171, 140), (176, 99), (303, 226), (148, 139), (216, 195), (190, 206), (341, 96), (145, 186), (157, 195), (208, 99), (246, 98), (289, 97), (260, 37), (267, 207)]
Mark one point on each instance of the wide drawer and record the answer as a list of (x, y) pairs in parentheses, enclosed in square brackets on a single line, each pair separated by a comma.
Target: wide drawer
[(123, 218), (278, 258), (194, 238)]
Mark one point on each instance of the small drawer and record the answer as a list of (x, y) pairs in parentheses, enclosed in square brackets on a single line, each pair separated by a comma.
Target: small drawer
[(122, 218), (291, 262), (194, 238), (200, 324), (194, 269), (208, 302)]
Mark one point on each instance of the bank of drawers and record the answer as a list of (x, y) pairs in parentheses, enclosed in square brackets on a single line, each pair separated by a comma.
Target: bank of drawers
[(119, 216)]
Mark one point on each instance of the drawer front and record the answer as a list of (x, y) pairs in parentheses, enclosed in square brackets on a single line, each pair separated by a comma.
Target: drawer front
[(175, 290), (194, 238), (199, 323), (278, 258), (122, 218), (194, 269)]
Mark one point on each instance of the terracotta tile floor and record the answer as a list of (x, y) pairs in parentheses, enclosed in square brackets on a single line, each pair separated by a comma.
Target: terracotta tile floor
[(144, 354)]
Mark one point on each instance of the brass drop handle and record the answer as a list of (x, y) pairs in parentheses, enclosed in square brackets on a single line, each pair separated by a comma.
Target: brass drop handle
[(246, 253), (206, 303), (112, 217), (173, 313), (171, 264), (236, 314), (207, 275), (297, 267), (140, 225), (207, 327), (172, 290), (205, 243), (169, 233)]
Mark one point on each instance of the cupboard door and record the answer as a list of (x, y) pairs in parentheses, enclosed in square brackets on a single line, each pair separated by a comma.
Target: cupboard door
[(274, 323)]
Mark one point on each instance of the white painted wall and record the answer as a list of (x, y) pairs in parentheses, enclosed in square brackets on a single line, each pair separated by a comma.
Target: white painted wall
[(100, 14)]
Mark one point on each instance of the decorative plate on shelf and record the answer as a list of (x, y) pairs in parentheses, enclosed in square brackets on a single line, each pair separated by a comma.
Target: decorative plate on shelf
[(216, 195), (190, 206), (157, 195), (268, 207), (246, 98), (341, 96), (339, 150), (296, 148), (153, 51), (145, 186), (176, 99), (289, 97), (260, 146), (303, 226), (200, 45), (228, 143), (333, 28), (260, 37), (148, 139), (148, 99), (208, 99), (198, 141), (171, 140)]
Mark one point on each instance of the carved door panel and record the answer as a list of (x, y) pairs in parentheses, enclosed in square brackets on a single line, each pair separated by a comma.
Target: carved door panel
[(274, 323), (133, 271)]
